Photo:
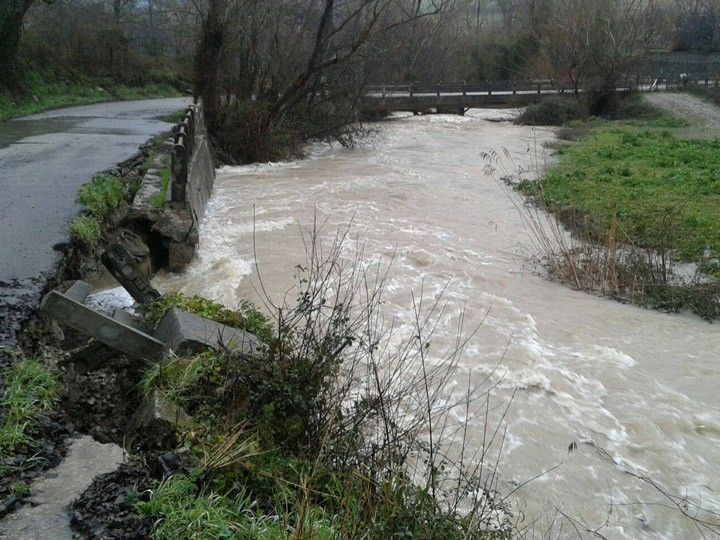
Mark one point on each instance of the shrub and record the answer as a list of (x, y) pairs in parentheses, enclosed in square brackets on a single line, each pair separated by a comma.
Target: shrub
[(553, 111), (102, 195), (86, 229), (336, 432), (242, 133)]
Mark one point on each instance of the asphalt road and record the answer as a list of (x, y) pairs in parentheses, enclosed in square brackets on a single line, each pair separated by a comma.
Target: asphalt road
[(45, 158)]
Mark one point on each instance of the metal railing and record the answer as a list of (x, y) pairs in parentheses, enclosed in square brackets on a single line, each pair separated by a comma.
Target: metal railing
[(489, 88), (184, 134)]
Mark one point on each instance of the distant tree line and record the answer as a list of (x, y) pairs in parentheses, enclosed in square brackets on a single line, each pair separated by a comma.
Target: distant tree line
[(274, 73), (130, 41)]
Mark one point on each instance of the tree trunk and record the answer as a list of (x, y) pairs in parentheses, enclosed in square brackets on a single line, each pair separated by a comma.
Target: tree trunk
[(207, 60), (11, 21)]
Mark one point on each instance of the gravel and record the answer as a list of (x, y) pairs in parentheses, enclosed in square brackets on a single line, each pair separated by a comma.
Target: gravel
[(688, 107)]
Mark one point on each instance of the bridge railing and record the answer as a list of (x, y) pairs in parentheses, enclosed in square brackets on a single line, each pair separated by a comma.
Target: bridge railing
[(183, 147), (462, 87), (637, 83)]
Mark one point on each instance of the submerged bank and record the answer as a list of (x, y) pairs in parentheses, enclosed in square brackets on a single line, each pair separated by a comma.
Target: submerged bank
[(600, 389)]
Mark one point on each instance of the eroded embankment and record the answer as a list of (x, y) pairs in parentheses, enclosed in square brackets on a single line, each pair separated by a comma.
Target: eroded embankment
[(94, 389)]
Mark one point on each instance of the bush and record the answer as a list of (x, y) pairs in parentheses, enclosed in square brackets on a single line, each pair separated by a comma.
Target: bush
[(710, 93), (242, 134), (335, 432), (553, 111)]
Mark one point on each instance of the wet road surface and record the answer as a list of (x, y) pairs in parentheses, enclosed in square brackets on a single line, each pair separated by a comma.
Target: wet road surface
[(44, 159)]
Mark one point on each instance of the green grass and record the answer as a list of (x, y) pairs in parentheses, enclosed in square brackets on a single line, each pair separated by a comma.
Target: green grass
[(99, 197), (86, 229), (663, 192), (173, 118), (188, 512), (158, 199), (47, 91), (30, 390), (102, 195)]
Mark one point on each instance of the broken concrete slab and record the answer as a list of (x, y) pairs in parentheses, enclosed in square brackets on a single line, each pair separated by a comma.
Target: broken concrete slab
[(121, 264), (159, 420), (112, 332), (48, 516), (178, 331), (79, 291), (133, 321), (187, 333)]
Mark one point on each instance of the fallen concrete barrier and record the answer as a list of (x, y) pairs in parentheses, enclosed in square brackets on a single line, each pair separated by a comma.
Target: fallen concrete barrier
[(68, 309), (187, 333), (127, 272), (178, 331)]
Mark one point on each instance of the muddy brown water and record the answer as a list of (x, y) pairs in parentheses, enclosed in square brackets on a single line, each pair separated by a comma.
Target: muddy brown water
[(637, 391)]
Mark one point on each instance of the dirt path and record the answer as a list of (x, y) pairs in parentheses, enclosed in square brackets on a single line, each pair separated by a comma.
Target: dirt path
[(688, 107)]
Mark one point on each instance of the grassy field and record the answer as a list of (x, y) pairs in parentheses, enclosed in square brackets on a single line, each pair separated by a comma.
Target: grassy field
[(45, 92), (658, 190)]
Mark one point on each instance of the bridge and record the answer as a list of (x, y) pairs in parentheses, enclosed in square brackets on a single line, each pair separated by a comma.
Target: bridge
[(456, 98)]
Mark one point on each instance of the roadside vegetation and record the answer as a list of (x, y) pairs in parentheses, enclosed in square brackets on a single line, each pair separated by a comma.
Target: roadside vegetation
[(44, 91), (158, 199), (99, 198), (710, 93), (334, 433), (643, 205)]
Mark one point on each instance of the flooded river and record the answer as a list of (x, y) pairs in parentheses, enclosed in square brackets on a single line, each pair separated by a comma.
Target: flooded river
[(636, 391)]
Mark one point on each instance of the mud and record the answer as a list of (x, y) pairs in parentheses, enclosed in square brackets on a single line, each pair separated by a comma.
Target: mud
[(97, 385), (30, 462), (106, 509)]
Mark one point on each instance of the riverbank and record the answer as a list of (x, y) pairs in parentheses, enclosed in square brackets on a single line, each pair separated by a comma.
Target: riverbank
[(47, 91), (644, 192)]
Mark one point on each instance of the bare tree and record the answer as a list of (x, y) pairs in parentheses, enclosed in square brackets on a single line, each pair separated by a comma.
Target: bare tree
[(591, 45), (12, 13), (697, 25), (294, 63)]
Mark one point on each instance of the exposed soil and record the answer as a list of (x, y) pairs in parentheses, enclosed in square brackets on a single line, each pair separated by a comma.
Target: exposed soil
[(98, 395), (106, 510), (53, 434)]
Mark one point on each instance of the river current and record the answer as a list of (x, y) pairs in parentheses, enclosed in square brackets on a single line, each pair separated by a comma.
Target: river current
[(607, 396)]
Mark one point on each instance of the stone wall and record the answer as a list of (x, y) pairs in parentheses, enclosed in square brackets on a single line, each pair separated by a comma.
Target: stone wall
[(168, 216)]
